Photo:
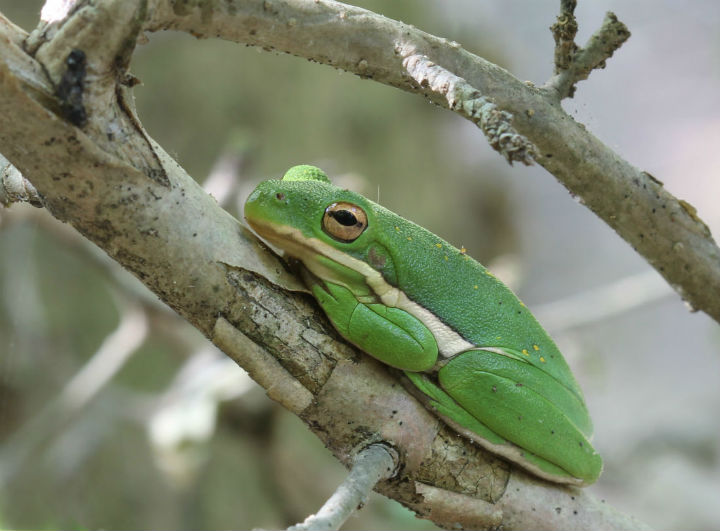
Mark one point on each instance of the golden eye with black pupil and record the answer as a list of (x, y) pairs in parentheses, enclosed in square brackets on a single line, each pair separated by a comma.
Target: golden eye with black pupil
[(344, 222)]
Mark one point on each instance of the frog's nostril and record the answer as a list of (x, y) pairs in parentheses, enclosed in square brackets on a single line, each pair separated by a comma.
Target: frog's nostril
[(280, 196)]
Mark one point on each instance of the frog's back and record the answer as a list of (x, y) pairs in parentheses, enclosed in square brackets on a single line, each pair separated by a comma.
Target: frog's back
[(468, 297)]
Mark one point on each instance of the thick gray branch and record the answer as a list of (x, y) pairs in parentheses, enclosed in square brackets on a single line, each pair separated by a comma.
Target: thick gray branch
[(664, 230)]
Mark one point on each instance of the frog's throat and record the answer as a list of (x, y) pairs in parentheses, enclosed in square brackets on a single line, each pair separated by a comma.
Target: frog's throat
[(296, 244)]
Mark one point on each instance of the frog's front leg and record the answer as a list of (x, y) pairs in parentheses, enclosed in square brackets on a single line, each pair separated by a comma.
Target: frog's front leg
[(390, 335)]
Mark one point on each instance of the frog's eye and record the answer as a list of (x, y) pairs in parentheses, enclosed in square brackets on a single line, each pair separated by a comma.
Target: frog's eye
[(344, 222)]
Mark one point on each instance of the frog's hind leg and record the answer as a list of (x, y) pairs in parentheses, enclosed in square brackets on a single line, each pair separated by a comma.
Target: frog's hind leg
[(465, 424)]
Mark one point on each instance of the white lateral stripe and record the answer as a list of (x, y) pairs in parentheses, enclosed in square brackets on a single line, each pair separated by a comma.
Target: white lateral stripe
[(450, 343)]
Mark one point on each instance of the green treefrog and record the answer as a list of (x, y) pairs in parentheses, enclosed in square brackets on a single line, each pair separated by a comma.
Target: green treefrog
[(473, 351)]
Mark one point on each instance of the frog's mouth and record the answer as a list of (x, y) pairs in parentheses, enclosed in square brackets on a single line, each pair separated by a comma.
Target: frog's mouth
[(332, 265), (327, 263), (288, 239)]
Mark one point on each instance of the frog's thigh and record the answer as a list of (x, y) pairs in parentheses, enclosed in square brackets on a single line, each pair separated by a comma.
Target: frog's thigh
[(465, 423), (391, 335), (517, 413)]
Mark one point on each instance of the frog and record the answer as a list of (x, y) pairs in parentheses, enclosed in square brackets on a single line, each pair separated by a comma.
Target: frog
[(471, 351)]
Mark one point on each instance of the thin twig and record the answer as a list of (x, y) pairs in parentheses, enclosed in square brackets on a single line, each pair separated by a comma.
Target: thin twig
[(374, 463), (576, 64), (227, 173), (88, 382), (600, 47), (564, 31), (184, 416), (603, 302)]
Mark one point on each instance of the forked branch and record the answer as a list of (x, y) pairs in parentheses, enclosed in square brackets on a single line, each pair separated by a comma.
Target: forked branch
[(115, 190), (573, 64), (663, 229)]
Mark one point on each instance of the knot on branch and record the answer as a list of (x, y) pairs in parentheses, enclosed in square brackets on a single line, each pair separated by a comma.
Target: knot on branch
[(574, 64), (70, 89), (495, 123), (466, 100)]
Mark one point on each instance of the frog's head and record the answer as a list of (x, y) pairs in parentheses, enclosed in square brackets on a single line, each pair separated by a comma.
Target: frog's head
[(331, 230)]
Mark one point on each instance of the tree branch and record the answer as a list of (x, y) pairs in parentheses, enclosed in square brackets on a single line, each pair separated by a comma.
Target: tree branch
[(573, 64), (564, 31), (664, 230), (95, 374), (467, 101), (127, 195), (372, 464)]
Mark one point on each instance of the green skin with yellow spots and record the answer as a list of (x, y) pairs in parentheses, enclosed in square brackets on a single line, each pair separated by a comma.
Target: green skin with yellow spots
[(473, 351)]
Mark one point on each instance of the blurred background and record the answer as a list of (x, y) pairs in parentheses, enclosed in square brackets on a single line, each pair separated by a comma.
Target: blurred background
[(114, 413)]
